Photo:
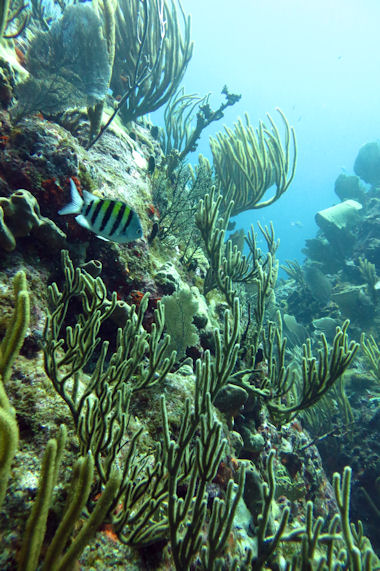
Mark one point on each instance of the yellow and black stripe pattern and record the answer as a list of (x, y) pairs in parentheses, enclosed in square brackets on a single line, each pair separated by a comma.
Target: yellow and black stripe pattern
[(112, 219)]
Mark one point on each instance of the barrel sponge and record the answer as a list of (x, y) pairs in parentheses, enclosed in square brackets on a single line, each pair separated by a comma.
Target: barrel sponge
[(367, 163), (20, 216)]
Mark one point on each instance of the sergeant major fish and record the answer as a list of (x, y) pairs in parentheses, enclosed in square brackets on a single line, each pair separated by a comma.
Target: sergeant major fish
[(109, 219)]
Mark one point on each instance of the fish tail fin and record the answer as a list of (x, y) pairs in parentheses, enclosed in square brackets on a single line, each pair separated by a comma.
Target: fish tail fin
[(75, 206)]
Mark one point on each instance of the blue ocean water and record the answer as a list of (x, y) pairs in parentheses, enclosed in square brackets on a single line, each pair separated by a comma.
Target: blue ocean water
[(319, 62)]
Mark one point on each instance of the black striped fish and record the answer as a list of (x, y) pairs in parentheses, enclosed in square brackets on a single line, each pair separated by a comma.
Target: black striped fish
[(109, 219)]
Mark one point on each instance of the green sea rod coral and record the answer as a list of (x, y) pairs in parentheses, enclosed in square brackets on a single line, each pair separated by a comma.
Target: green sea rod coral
[(36, 525), (13, 18), (9, 349), (371, 350), (15, 333), (187, 517), (228, 266), (180, 136), (152, 51), (115, 377), (318, 373), (249, 161), (4, 7), (59, 556), (167, 497), (8, 441), (315, 544), (99, 404)]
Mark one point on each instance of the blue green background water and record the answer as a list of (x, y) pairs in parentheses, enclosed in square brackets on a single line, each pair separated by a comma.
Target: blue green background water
[(319, 61)]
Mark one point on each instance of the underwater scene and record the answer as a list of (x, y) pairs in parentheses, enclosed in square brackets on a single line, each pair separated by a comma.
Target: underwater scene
[(189, 285)]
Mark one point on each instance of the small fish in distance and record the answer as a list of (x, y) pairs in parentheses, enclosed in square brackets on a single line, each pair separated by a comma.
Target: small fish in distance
[(110, 220)]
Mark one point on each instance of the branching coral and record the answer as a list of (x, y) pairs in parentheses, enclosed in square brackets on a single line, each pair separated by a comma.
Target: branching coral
[(8, 441), (100, 406), (341, 546), (151, 56), (318, 374), (58, 556), (227, 264), (109, 387), (368, 271), (178, 117), (294, 271), (266, 544), (187, 516), (372, 351), (358, 554), (4, 7), (14, 336), (150, 493), (100, 411), (249, 161), (13, 18), (83, 471), (36, 524), (177, 198), (180, 135), (332, 415)]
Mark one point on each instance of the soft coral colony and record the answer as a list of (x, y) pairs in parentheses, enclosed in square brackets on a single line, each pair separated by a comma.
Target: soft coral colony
[(147, 408)]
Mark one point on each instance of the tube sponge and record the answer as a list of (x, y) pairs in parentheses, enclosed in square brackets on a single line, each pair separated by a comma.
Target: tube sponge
[(20, 216), (7, 239)]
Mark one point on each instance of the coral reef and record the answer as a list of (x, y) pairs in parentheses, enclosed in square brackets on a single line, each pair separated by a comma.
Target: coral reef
[(151, 411), (345, 255)]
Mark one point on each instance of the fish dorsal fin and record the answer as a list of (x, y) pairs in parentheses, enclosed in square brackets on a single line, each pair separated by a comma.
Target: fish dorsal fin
[(88, 197)]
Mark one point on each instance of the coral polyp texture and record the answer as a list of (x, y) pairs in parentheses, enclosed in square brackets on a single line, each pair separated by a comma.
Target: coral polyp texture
[(164, 404)]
